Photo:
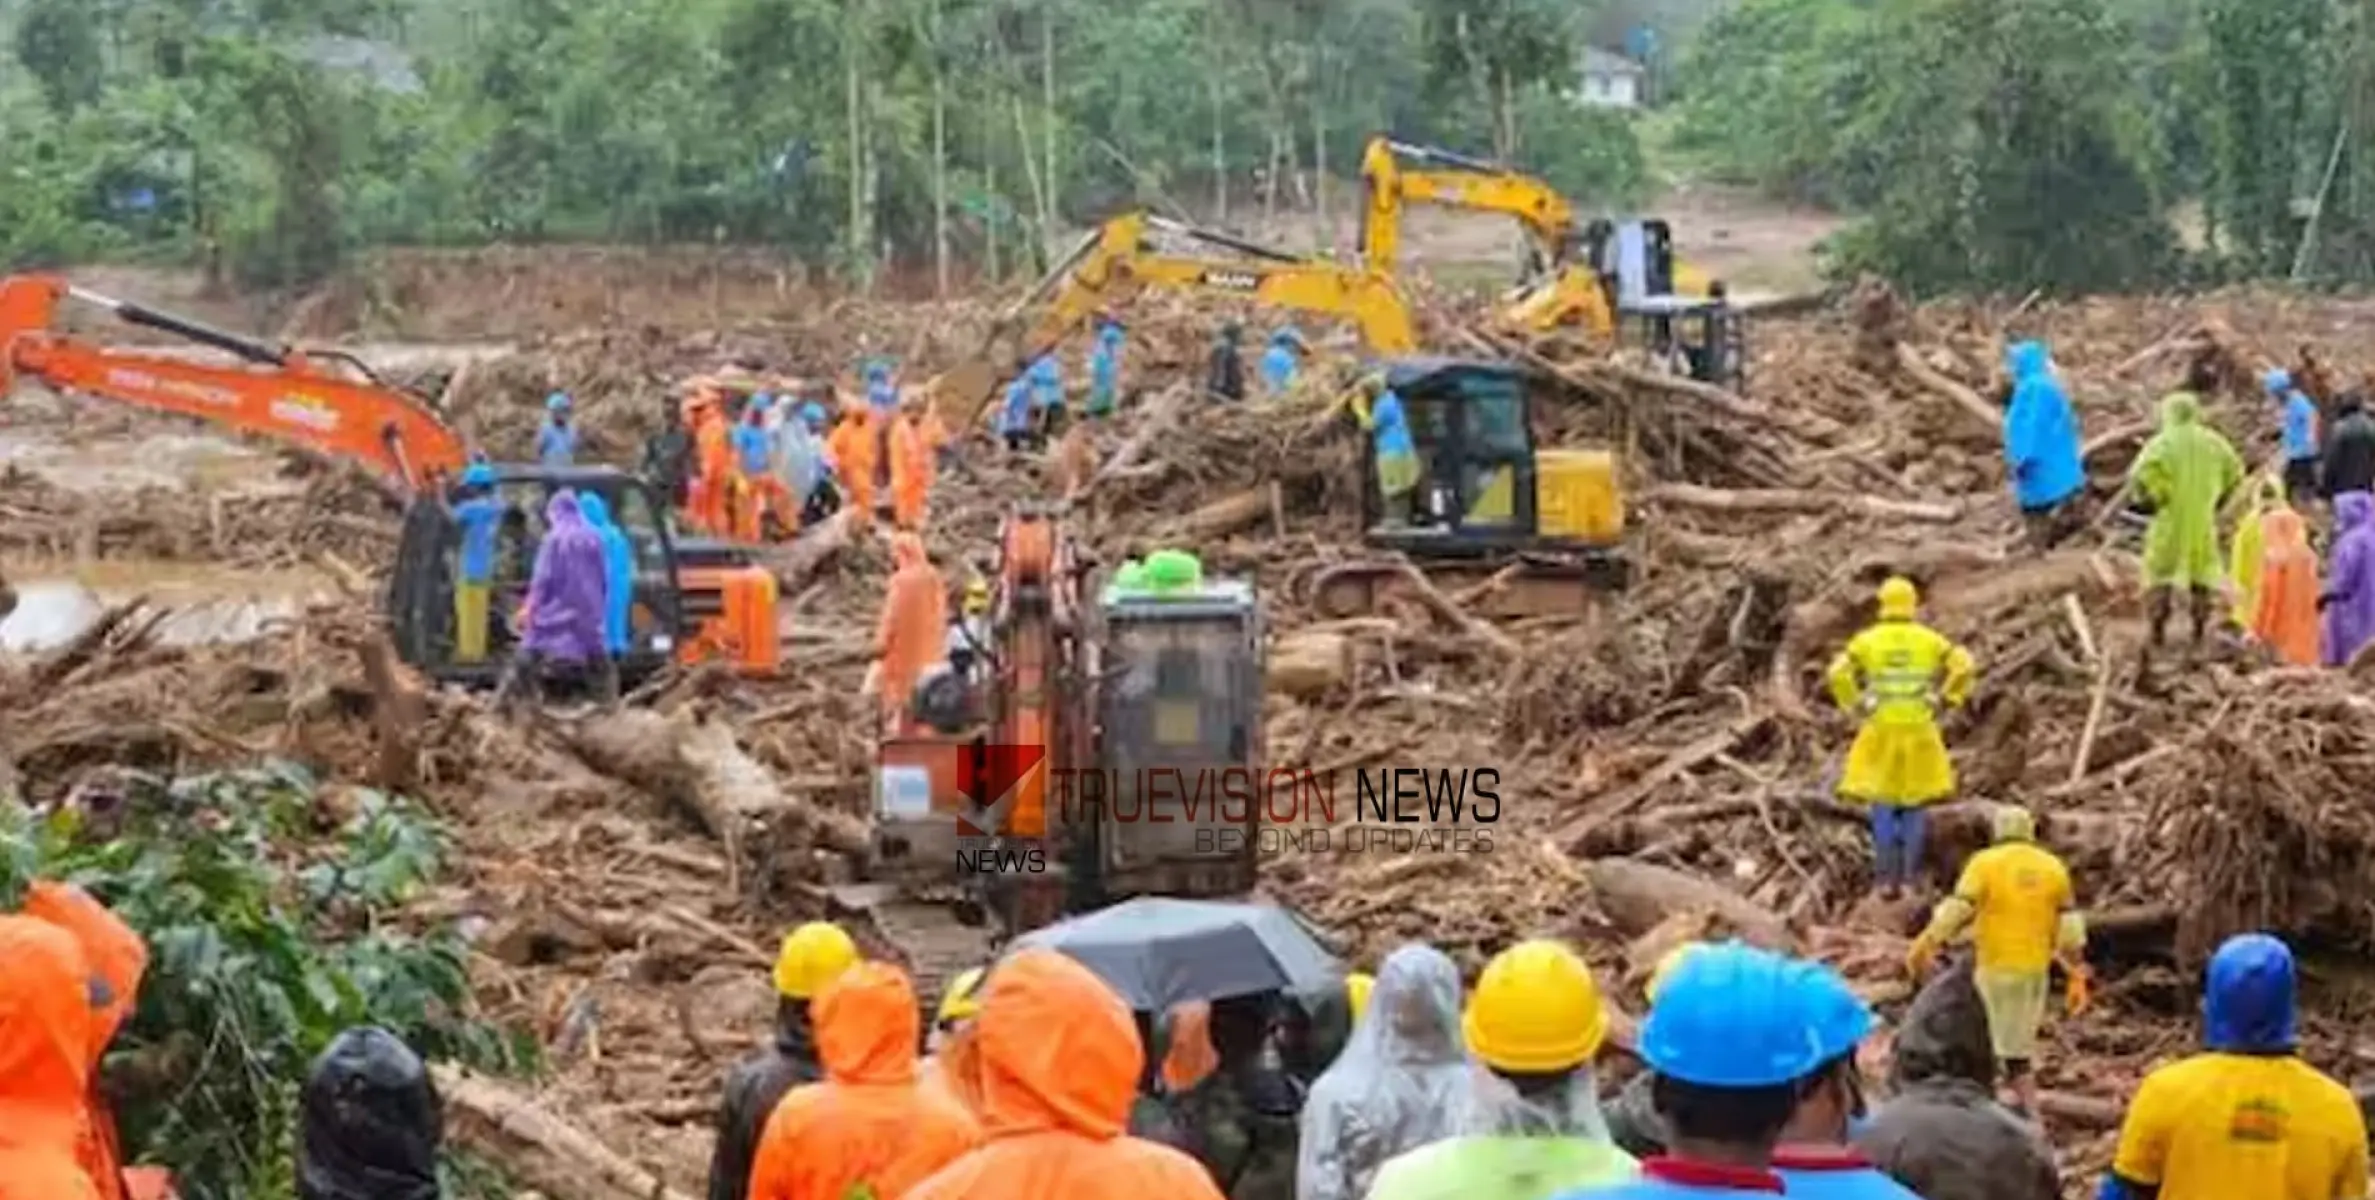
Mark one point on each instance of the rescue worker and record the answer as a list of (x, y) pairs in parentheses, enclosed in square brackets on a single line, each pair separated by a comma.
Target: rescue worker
[(2349, 464), (968, 649), (1105, 369), (369, 1122), (1280, 359), (2348, 601), (812, 957), (2041, 447), (2301, 449), (668, 456), (911, 468), (1529, 1126), (2016, 895), (46, 1003), (116, 959), (1357, 986), (2285, 615), (1396, 1085), (1633, 1121), (882, 391), (909, 636), (1224, 376), (1047, 398), (556, 441), (852, 446), (1728, 1039), (477, 513), (955, 1064), (1894, 673), (2185, 470), (1398, 469), (1061, 1060), (1942, 1131), (565, 609), (1312, 1031), (797, 460), (618, 574), (1815, 1158), (1014, 414), (2264, 494), (871, 1128), (1239, 1120), (757, 491), (713, 453), (2247, 1117)]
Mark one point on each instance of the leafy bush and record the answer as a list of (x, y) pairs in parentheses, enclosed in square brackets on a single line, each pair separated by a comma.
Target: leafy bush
[(265, 941)]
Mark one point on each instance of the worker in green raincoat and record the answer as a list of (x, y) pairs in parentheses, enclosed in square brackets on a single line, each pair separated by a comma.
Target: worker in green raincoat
[(2185, 470)]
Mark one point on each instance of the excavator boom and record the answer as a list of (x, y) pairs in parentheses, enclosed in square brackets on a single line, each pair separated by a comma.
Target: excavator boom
[(1453, 181), (281, 394), (1114, 263)]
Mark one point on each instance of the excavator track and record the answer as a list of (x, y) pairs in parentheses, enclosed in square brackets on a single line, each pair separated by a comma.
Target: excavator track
[(929, 936), (1510, 586)]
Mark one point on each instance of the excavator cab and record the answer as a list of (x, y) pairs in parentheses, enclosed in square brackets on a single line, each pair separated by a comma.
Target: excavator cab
[(1180, 744), (693, 598), (1702, 336)]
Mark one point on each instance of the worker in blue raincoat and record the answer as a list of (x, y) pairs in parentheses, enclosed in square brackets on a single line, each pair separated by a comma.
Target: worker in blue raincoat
[(1105, 369), (1047, 397), (2302, 447), (1398, 469), (757, 490), (1279, 361), (563, 621), (478, 512), (556, 441), (2041, 447), (1014, 413), (618, 573), (882, 391)]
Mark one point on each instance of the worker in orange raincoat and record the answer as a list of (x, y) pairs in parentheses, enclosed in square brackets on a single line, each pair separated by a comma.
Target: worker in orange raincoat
[(1060, 1066), (116, 959), (2285, 613), (853, 444), (872, 1128), (713, 466), (46, 1021), (912, 635), (911, 467)]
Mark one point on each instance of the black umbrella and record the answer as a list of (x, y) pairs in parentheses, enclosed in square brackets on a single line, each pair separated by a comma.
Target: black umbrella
[(1158, 952)]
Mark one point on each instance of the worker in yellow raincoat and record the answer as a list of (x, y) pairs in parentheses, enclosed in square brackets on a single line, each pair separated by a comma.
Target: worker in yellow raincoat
[(1894, 673), (2266, 495), (2016, 895)]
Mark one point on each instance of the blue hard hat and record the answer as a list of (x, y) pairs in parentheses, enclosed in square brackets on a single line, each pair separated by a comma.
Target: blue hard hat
[(557, 402), (2278, 381), (1733, 1016), (761, 401), (2248, 1002), (877, 369), (478, 474), (1839, 1017)]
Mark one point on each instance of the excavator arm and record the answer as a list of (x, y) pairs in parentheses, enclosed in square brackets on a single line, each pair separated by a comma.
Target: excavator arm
[(1114, 262), (280, 394)]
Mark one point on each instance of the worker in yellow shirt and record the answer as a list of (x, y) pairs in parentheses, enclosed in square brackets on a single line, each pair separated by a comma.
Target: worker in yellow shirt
[(2017, 895), (1894, 674), (2247, 1119)]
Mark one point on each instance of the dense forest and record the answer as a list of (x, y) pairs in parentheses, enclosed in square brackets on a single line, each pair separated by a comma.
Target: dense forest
[(2066, 144)]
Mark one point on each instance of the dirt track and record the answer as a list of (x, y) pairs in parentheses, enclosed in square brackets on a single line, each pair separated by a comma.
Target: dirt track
[(1669, 729)]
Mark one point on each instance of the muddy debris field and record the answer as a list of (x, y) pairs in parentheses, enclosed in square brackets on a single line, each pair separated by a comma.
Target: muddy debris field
[(1665, 761)]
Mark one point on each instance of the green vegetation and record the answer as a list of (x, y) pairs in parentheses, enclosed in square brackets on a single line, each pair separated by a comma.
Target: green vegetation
[(259, 954)]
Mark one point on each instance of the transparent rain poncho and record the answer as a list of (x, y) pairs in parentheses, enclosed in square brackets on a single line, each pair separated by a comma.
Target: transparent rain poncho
[(1398, 1085)]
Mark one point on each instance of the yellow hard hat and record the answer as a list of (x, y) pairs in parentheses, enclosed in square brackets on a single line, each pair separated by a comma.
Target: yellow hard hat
[(1665, 968), (1535, 1010), (977, 595), (962, 1000), (813, 955), (1356, 991), (2014, 824), (1898, 599)]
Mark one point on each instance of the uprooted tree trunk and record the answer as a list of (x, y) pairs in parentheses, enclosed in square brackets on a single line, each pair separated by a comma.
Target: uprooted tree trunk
[(699, 767), (537, 1147), (1638, 896)]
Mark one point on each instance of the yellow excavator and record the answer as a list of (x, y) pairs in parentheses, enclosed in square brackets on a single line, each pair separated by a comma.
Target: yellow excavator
[(1537, 530), (1602, 276)]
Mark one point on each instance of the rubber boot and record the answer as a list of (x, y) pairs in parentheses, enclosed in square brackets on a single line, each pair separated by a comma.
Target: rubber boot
[(2205, 604), (2157, 605)]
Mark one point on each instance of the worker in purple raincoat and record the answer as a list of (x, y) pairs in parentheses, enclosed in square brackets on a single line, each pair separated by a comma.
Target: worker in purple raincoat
[(566, 608), (2349, 599)]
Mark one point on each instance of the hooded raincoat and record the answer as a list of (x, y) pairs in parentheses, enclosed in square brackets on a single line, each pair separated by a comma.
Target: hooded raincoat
[(2247, 1118), (1395, 1087), (798, 458), (566, 592), (911, 471), (872, 1128), (618, 573), (1942, 1133), (117, 959), (2184, 470), (1060, 1066), (1899, 756), (2041, 447), (2350, 578), (1014, 410), (1397, 453), (713, 468), (370, 1122), (2243, 560), (910, 637), (882, 393), (852, 444), (955, 1068), (1047, 384), (1105, 370), (1511, 1147), (45, 1062), (2284, 613), (1279, 362), (753, 1088)]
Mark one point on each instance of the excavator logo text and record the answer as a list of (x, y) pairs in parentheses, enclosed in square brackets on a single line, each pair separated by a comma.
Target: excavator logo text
[(305, 411), (991, 779), (1239, 280)]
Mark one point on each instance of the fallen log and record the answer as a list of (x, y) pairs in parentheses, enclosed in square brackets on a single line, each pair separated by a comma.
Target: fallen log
[(1224, 516), (1963, 398), (1309, 665), (1778, 500), (536, 1147), (816, 546), (699, 768), (399, 710), (1621, 803), (1640, 896)]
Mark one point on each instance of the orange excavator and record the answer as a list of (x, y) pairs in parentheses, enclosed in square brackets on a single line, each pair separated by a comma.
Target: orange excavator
[(1100, 724), (695, 599)]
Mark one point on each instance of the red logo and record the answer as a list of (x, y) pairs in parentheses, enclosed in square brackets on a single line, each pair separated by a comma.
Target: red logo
[(1003, 790)]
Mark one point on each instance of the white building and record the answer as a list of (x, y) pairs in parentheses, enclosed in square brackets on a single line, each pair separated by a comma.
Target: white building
[(1610, 80)]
